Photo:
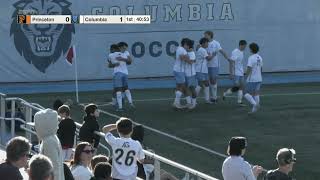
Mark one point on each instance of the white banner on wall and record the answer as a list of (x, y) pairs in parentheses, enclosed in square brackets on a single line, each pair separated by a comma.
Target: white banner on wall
[(287, 31)]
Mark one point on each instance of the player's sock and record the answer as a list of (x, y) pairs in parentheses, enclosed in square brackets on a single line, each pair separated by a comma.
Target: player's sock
[(228, 92), (114, 101), (250, 99), (188, 98), (119, 99), (194, 101), (257, 99), (198, 89), (214, 89), (207, 93), (240, 96), (178, 97), (129, 97)]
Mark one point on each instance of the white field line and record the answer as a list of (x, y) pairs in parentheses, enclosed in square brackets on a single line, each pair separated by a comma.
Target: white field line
[(168, 135), (167, 99)]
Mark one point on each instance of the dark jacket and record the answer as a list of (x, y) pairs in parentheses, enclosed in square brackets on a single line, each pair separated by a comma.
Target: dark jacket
[(66, 132), (8, 171), (86, 132), (277, 175)]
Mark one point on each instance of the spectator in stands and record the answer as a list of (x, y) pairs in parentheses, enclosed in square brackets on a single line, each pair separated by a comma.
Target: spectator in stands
[(234, 167), (40, 168), (102, 171), (138, 135), (18, 114), (56, 104), (86, 133), (46, 126), (17, 152), (126, 151), (285, 158), (66, 132), (67, 172), (97, 159), (81, 160), (147, 168)]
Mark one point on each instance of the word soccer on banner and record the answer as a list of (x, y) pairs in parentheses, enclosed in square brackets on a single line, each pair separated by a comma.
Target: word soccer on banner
[(84, 19)]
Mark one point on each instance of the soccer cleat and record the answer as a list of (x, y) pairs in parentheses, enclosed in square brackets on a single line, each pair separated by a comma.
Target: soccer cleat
[(254, 109), (214, 101), (132, 105), (178, 106), (208, 102), (119, 110), (191, 106), (241, 104)]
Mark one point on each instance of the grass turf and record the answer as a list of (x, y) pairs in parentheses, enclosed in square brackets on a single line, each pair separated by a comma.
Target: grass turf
[(283, 121)]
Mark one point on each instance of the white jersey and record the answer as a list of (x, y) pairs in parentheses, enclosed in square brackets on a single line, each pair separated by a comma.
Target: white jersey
[(214, 47), (255, 62), (179, 64), (122, 65), (190, 69), (125, 152), (237, 57), (201, 62), (236, 168)]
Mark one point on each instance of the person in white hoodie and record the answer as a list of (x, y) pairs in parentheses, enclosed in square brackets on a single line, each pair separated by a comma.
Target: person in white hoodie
[(46, 125)]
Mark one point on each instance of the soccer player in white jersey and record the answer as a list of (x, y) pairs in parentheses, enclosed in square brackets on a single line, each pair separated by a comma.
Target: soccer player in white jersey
[(191, 81), (178, 71), (114, 53), (120, 74), (128, 59), (125, 151), (213, 65), (254, 79), (237, 71), (202, 58)]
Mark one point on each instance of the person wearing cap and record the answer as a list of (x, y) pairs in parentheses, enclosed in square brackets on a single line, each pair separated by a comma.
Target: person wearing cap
[(285, 158), (235, 167), (90, 125)]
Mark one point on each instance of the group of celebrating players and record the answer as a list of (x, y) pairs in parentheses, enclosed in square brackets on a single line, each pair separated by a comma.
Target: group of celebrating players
[(197, 70)]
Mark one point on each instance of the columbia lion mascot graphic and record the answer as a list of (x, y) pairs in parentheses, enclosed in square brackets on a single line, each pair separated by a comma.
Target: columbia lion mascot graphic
[(42, 44)]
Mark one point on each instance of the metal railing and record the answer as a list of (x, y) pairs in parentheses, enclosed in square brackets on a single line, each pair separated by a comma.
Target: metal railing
[(27, 126)]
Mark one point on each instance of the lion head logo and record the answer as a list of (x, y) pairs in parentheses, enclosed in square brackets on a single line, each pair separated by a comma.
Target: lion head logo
[(42, 44)]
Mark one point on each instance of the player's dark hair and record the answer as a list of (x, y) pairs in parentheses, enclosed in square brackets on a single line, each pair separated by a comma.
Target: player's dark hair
[(184, 41), (242, 42), (90, 108), (124, 126), (210, 33), (56, 104), (122, 44), (16, 148), (138, 133), (236, 145), (64, 109), (114, 48), (102, 171), (254, 48), (190, 43), (97, 159), (203, 41)]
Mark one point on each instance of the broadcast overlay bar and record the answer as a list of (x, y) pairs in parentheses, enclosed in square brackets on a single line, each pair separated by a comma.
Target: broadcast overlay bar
[(83, 19)]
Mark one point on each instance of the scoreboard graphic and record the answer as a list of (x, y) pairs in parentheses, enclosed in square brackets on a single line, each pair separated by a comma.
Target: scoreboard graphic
[(83, 19)]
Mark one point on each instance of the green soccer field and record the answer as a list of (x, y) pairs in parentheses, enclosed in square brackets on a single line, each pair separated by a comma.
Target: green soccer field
[(289, 117)]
